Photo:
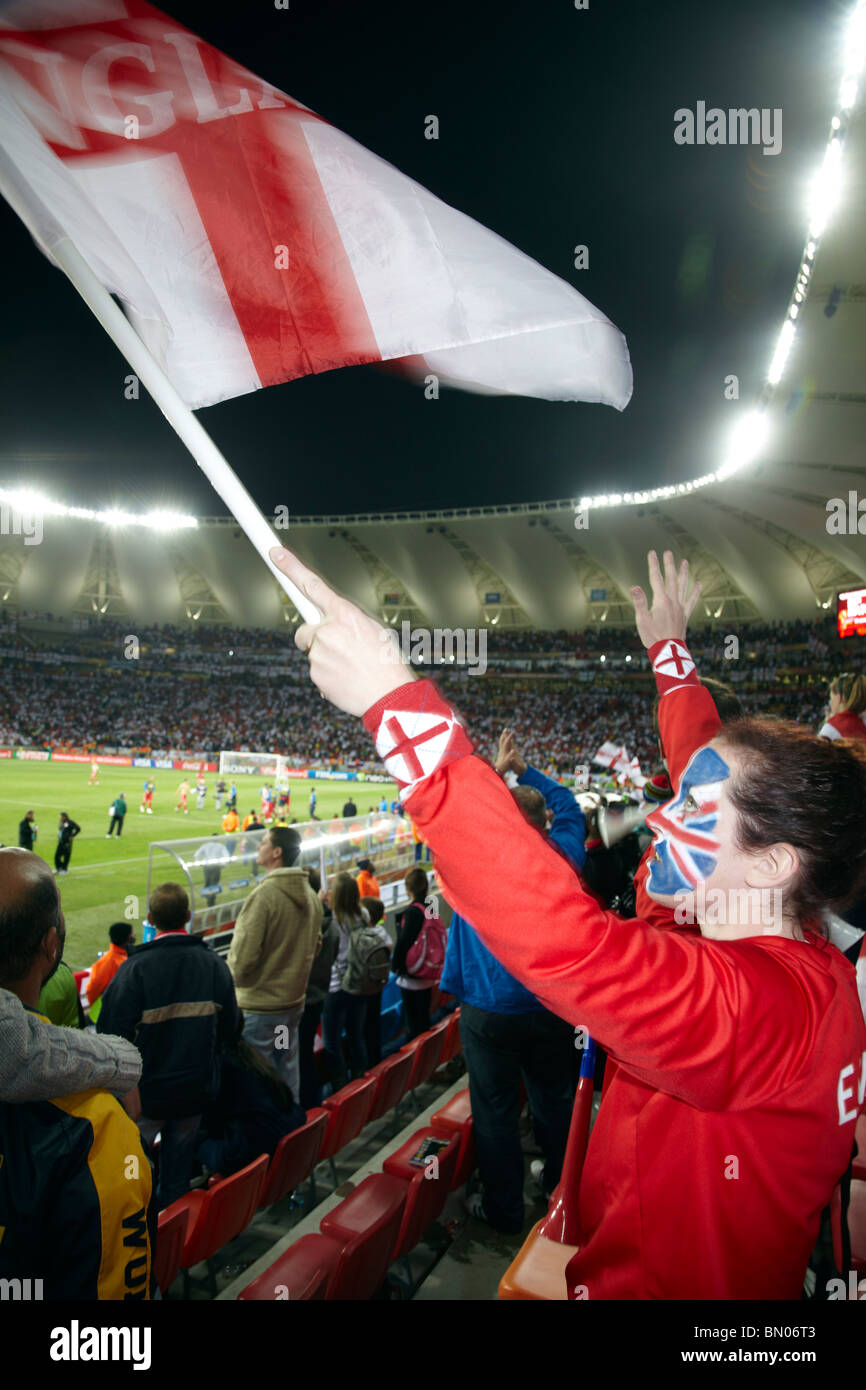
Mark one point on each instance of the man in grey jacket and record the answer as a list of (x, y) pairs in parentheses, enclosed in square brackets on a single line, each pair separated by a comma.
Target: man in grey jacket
[(276, 938)]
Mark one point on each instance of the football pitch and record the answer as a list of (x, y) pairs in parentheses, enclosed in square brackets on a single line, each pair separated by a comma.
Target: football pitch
[(103, 873)]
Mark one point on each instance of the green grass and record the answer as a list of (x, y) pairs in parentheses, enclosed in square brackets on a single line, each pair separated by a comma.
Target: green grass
[(103, 873)]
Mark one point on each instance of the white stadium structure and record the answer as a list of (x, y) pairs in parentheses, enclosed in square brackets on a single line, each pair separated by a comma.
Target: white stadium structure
[(754, 525)]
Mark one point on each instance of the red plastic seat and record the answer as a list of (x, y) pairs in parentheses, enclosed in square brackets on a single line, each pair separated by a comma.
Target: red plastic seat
[(217, 1214), (295, 1157), (393, 1078), (354, 1246), (170, 1237), (302, 1272), (452, 1038), (455, 1117), (374, 1212), (427, 1050), (859, 1168), (349, 1110), (427, 1189)]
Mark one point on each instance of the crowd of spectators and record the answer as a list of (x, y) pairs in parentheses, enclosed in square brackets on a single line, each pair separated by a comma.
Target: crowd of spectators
[(209, 688)]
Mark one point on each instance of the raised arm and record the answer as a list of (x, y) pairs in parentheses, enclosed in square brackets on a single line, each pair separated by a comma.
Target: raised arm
[(703, 1020)]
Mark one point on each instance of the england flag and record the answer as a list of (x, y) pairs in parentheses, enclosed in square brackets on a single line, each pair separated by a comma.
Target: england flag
[(250, 241)]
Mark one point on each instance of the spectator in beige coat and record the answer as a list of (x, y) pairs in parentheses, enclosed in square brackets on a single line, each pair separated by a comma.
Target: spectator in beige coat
[(276, 938)]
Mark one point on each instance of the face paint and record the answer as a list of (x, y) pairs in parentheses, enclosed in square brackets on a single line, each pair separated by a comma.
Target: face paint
[(685, 828)]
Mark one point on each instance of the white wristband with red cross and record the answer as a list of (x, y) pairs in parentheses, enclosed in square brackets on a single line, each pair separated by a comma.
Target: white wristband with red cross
[(416, 733), (672, 665)]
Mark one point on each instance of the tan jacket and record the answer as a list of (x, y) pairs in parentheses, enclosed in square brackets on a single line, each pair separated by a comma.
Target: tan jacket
[(276, 938)]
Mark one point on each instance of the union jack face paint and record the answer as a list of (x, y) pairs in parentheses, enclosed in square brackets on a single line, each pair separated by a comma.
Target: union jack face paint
[(686, 847)]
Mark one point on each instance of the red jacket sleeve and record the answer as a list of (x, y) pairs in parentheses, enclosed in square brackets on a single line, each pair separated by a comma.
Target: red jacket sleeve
[(712, 1023), (688, 719)]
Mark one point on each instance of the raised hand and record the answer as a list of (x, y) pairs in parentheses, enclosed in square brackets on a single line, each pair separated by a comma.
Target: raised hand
[(354, 660), (671, 610)]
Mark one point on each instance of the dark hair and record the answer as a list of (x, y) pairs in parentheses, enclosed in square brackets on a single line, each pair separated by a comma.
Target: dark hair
[(120, 932), (366, 864), (315, 879), (287, 841), (375, 909), (725, 698), (533, 806), (418, 884), (24, 925), (253, 1061), (795, 788), (345, 900), (168, 908)]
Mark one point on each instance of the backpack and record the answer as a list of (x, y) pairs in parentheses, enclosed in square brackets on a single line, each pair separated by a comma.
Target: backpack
[(368, 964), (425, 959)]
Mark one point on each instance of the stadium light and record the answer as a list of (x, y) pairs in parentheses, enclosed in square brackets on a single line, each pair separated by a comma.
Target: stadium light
[(32, 503)]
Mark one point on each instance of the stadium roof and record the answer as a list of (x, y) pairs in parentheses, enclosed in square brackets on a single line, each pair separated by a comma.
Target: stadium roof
[(759, 541)]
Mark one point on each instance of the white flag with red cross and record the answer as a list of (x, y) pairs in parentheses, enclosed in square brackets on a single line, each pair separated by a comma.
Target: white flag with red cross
[(249, 240)]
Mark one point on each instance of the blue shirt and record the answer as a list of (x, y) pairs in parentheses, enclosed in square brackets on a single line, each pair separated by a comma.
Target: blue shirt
[(473, 973)]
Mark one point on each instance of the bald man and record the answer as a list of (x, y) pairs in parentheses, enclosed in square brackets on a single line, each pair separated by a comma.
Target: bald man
[(76, 1204)]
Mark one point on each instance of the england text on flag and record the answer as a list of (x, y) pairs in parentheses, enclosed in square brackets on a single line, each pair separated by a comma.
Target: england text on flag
[(250, 241)]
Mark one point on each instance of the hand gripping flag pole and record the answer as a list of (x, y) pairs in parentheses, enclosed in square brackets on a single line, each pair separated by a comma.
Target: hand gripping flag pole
[(53, 240)]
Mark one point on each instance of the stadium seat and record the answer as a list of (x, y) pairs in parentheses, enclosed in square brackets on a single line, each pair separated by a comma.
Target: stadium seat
[(452, 1038), (427, 1050), (374, 1212), (170, 1237), (349, 1109), (302, 1273), (295, 1157), (858, 1169), (355, 1254), (393, 1078), (217, 1214), (455, 1117), (425, 1195)]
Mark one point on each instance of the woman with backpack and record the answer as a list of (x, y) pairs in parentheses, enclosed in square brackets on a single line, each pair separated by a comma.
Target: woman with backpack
[(419, 954), (362, 967)]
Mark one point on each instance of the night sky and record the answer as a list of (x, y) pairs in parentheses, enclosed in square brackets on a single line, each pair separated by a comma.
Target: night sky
[(556, 128)]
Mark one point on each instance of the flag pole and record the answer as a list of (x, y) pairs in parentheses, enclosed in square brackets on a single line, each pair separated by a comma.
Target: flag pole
[(206, 454)]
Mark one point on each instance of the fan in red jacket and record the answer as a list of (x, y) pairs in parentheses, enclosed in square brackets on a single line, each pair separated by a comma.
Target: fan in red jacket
[(847, 707), (740, 1052)]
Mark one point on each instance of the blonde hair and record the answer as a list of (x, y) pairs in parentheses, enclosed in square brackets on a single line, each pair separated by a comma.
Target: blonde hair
[(851, 690)]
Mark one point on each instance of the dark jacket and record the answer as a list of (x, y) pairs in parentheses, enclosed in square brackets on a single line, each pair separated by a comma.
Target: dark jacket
[(248, 1118), (67, 833), (25, 834), (319, 982), (175, 999)]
